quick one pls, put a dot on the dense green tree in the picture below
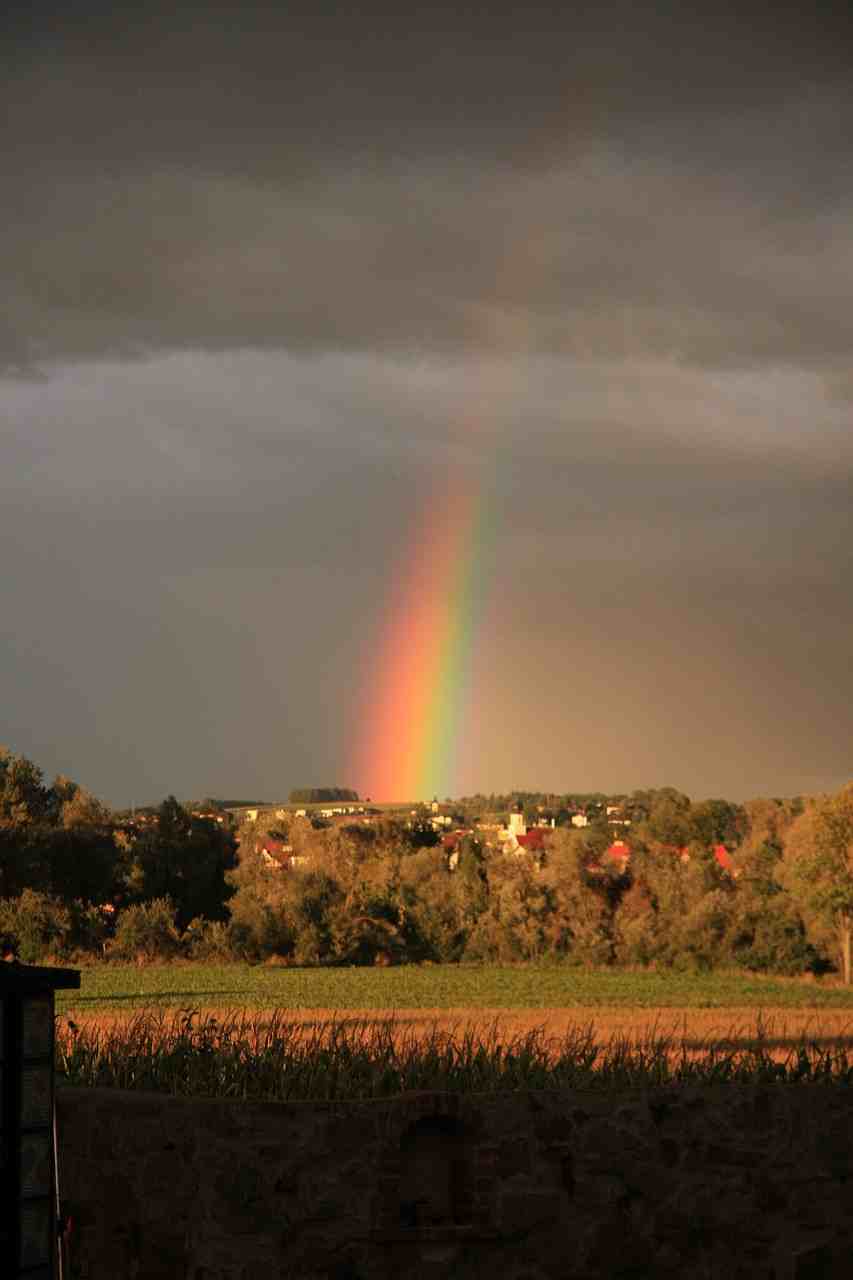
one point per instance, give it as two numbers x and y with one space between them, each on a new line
669 818
23 864
718 822
766 933
310 912
441 907
24 799
818 867
421 834
81 862
184 859
578 927
47 929
323 795
512 926
77 862
55 840
257 923
676 910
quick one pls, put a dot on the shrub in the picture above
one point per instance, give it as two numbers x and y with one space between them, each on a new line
91 926
209 941
258 926
39 924
436 904
700 937
513 925
769 936
309 945
146 932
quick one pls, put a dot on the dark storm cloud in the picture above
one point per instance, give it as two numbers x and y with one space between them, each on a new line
308 78
589 180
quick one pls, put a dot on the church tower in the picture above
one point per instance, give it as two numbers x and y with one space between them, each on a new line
517 825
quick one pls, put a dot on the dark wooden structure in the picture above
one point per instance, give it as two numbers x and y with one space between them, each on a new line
28 1231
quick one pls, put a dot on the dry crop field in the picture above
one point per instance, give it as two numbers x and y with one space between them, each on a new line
690 1012
693 1030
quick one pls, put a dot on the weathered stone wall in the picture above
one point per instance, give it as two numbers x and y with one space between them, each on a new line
714 1182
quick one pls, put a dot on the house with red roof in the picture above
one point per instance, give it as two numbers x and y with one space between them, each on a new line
619 853
275 853
450 844
724 860
533 840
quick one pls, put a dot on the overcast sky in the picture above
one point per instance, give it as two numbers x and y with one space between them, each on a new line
272 274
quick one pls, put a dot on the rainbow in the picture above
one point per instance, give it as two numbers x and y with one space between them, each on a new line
418 689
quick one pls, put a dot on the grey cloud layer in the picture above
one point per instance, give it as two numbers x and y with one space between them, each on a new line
598 186
601 260
248 461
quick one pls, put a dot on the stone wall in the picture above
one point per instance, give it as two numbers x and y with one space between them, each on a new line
753 1183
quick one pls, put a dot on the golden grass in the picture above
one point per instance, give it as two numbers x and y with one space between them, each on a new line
692 1030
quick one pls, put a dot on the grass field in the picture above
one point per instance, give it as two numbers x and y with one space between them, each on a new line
434 987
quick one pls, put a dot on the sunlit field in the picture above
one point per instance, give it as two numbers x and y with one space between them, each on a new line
277 1032
274 1057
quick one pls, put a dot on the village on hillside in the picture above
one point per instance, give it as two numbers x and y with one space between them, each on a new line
512 833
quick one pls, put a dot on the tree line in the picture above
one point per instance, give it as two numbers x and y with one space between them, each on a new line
323 795
77 885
